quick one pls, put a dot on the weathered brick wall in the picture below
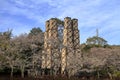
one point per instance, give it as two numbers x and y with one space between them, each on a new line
67 43
50 46
53 58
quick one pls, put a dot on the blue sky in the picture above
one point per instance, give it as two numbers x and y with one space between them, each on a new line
23 15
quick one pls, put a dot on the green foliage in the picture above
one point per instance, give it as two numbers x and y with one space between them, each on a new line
97 41
6 34
107 71
59 22
86 48
116 74
94 42
4 39
35 31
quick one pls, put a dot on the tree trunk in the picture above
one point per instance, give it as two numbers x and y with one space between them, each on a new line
110 76
36 73
11 73
98 75
22 71
22 74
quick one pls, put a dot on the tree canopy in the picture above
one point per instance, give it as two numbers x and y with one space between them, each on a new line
95 40
35 31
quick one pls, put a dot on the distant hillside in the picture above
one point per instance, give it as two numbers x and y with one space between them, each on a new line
105 60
